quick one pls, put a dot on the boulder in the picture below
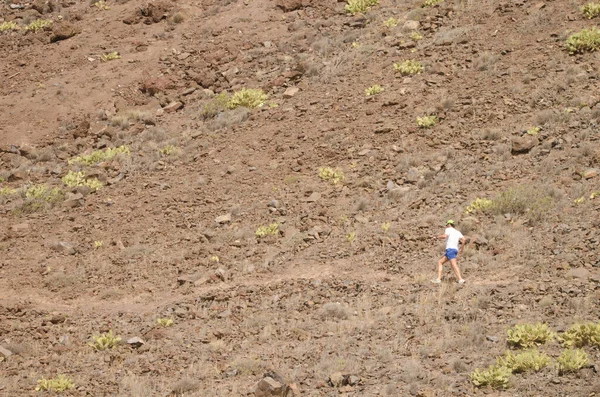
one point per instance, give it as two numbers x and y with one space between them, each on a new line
523 144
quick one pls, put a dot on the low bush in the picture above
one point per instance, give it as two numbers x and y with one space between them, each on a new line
105 341
56 385
587 40
409 67
496 377
38 24
572 360
479 205
534 201
99 156
529 335
111 56
374 90
247 97
8 25
270 230
40 197
431 3
74 179
329 174
427 121
530 360
215 106
164 322
580 335
591 10
358 6
391 22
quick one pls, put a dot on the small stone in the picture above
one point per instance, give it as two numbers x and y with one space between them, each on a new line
268 386
384 129
556 381
173 107
411 25
493 339
223 219
290 92
73 200
20 227
315 196
135 342
590 173
336 379
63 30
523 144
63 247
353 380
4 352
579 272
273 204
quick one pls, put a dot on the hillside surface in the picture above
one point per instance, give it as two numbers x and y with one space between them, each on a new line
335 297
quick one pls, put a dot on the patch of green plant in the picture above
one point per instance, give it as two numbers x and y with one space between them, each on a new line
100 155
374 90
591 10
270 230
532 201
40 197
101 5
529 360
8 25
587 40
572 360
217 105
431 3
409 67
360 6
110 56
105 341
385 227
38 24
580 335
416 36
57 385
164 322
350 237
168 150
391 22
329 174
427 121
247 97
7 191
479 205
529 335
74 179
533 130
496 377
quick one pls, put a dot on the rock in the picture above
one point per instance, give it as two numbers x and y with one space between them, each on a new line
579 272
223 219
398 192
590 173
20 227
17 176
384 129
523 144
413 175
63 30
290 92
315 196
4 352
291 5
353 380
337 379
493 339
173 107
73 200
411 25
135 342
268 386
63 247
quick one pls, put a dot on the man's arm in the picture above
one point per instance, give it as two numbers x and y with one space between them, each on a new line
463 243
442 236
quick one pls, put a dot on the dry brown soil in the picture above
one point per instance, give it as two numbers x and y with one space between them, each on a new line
335 291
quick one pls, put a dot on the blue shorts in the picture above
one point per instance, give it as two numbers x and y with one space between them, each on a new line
451 253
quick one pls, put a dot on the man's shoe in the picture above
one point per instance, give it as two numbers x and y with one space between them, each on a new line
436 281
461 281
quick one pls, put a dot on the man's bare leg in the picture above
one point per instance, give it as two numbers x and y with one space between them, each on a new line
441 266
454 264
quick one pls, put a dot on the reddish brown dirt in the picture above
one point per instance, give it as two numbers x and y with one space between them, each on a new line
332 291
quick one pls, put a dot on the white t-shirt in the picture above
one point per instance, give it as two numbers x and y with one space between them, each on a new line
454 237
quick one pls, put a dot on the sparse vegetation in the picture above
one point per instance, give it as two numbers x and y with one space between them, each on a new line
530 360
496 377
532 201
360 6
56 385
125 118
587 40
385 227
580 335
8 25
427 121
479 205
374 90
329 174
431 3
99 156
74 179
591 10
164 322
416 36
105 341
533 130
168 150
529 335
350 237
98 244
101 5
110 56
7 191
217 105
247 97
391 22
38 197
409 67
38 24
269 230
572 360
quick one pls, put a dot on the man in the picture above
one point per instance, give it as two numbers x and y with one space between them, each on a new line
454 238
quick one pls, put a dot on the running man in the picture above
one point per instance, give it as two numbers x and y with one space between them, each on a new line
454 238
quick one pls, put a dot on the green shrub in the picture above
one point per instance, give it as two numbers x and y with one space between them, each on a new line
529 335
580 335
391 22
530 200
217 105
8 25
247 97
111 56
329 174
591 10
7 191
587 40
57 385
496 377
164 322
431 3
530 360
374 90
74 179
100 155
427 121
357 6
40 197
168 150
572 360
270 230
38 24
479 205
533 130
416 36
105 341
409 67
